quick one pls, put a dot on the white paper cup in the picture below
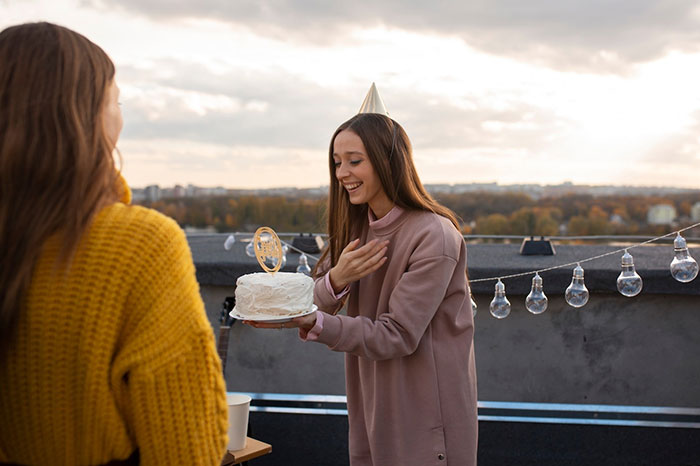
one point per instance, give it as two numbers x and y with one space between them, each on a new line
238 407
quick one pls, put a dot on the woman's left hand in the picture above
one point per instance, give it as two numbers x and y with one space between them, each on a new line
305 322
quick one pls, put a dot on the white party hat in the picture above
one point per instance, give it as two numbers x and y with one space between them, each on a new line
373 102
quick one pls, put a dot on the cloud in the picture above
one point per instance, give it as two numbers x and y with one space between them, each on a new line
596 35
680 150
194 103
185 122
187 101
441 123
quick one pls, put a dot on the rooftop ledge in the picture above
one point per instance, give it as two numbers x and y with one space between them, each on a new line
219 267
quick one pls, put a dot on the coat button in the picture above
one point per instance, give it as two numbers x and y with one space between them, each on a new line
441 456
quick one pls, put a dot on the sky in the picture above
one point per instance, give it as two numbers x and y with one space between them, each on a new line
247 93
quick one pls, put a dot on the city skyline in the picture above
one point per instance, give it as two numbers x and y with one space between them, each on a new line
247 95
534 190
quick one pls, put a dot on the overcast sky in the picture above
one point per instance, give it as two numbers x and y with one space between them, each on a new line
246 93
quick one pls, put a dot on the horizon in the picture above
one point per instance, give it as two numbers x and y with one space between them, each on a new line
224 93
325 186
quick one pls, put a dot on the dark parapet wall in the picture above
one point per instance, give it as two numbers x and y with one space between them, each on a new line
615 350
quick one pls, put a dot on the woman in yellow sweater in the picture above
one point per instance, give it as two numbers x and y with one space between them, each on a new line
106 354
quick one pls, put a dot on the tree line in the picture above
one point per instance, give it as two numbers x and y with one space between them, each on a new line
480 213
245 213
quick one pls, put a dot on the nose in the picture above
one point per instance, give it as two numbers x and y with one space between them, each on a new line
341 171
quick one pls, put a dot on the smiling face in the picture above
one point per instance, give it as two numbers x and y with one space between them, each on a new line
356 174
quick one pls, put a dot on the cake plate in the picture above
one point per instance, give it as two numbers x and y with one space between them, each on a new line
272 319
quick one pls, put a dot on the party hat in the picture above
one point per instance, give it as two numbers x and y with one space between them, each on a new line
373 102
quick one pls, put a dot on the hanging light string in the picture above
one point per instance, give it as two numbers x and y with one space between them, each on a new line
617 251
231 239
547 269
300 251
683 268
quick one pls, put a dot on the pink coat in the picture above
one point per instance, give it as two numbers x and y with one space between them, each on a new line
408 339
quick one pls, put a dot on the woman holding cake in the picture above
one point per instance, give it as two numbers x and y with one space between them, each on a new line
106 353
399 259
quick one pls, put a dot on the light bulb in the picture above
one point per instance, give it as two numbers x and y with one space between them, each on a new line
303 266
629 283
500 306
577 293
228 244
250 249
272 261
473 305
536 301
683 267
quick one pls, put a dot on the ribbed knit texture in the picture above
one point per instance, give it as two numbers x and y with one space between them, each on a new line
115 355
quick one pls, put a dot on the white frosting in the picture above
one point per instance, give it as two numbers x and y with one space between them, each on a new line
279 294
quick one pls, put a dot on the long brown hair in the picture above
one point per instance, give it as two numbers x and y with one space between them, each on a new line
390 152
56 164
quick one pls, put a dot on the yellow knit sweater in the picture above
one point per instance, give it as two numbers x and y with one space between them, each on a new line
115 355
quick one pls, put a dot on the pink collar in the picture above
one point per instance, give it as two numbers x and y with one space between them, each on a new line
388 219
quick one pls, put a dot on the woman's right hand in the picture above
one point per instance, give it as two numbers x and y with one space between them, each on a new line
355 263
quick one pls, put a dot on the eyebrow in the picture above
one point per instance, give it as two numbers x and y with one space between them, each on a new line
335 154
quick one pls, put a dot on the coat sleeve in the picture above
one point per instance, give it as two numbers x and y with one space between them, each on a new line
326 301
166 373
413 303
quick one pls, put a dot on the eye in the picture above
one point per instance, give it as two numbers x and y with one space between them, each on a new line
355 162
336 164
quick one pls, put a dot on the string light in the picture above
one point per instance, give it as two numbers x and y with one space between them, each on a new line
581 261
303 266
683 267
500 306
228 244
536 301
286 247
250 249
576 294
629 283
272 261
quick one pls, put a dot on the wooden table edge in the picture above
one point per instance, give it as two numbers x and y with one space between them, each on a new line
252 449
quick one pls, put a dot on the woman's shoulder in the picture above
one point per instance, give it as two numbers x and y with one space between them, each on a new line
432 222
133 224
435 233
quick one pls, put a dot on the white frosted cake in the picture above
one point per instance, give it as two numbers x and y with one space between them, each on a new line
279 294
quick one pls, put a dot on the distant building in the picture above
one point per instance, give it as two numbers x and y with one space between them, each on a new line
218 191
616 219
191 190
179 191
661 214
152 193
137 195
695 212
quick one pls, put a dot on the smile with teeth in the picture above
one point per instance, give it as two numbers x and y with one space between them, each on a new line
352 186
